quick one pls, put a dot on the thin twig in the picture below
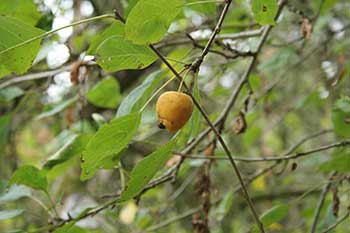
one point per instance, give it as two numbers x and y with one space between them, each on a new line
186 40
272 158
174 219
8 81
342 219
325 190
56 30
196 64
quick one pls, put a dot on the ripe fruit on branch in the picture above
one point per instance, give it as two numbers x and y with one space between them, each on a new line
174 109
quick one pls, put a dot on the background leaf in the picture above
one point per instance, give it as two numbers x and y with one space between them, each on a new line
25 10
73 148
105 145
139 95
149 20
14 193
7 214
30 176
10 93
145 170
105 94
265 11
275 214
341 117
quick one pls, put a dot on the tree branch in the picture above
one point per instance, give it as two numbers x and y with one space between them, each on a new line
320 203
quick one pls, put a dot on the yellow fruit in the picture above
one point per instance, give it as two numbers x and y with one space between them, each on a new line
174 109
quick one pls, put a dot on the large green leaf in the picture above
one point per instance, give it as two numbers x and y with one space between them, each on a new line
7 214
149 20
145 170
25 10
341 117
105 94
138 97
30 176
116 28
13 32
274 214
113 52
105 145
73 148
265 11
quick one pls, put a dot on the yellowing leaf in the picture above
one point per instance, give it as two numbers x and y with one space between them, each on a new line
128 213
259 184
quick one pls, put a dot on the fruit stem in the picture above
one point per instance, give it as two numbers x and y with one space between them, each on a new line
183 80
159 89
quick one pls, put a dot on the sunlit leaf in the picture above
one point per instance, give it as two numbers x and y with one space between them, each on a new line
149 20
25 10
265 11
14 32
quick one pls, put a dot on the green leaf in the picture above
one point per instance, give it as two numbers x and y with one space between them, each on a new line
7 214
30 176
224 206
10 93
5 121
202 6
341 117
145 170
275 214
131 4
14 193
114 52
105 94
105 145
57 108
339 162
138 97
196 116
13 32
116 28
72 149
343 104
265 11
25 10
69 228
149 20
